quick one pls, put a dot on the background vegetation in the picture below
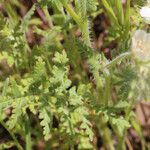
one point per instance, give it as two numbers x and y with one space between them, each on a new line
68 78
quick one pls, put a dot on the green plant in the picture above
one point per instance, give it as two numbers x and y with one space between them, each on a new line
47 90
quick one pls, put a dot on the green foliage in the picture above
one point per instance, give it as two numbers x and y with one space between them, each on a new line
120 22
55 87
46 120
26 19
5 56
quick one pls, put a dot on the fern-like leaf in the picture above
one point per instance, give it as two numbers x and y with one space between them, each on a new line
27 18
45 116
16 113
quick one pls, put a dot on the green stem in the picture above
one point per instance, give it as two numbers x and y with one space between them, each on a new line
84 26
99 85
28 134
121 141
85 32
137 127
71 12
49 67
117 59
106 135
45 9
107 96
19 147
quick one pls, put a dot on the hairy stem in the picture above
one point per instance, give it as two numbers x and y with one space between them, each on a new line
83 25
118 59
86 33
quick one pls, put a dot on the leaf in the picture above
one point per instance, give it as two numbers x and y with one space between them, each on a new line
124 80
26 19
74 99
59 81
9 58
60 58
88 130
5 86
127 15
91 5
82 8
5 102
120 123
16 113
46 120
7 145
120 11
122 105
84 50
110 12
52 3
39 70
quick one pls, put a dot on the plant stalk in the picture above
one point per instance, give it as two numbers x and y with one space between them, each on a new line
106 135
19 147
28 134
